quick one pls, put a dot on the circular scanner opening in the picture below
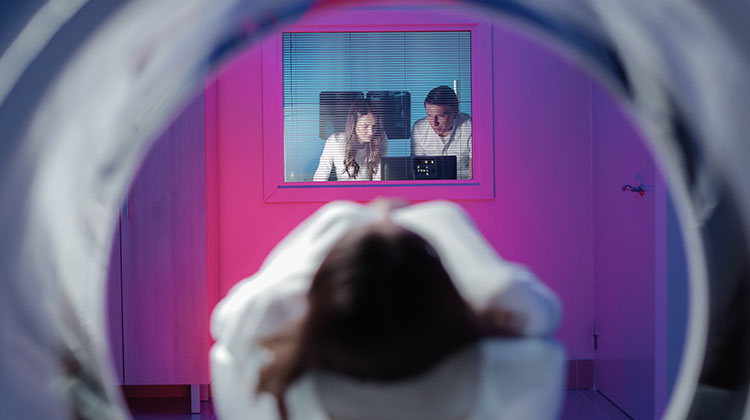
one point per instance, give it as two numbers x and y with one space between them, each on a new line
51 176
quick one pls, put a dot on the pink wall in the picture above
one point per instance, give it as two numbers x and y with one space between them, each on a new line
541 215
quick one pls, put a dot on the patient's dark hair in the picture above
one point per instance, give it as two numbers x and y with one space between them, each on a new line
381 308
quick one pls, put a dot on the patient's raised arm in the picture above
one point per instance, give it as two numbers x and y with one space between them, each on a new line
484 278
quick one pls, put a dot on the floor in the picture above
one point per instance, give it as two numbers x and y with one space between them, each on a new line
588 404
168 409
579 405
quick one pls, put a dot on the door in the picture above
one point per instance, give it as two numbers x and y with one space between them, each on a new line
164 300
624 258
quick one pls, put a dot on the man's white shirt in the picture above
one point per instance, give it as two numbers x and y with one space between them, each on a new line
457 142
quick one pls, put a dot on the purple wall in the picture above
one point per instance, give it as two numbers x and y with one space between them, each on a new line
541 215
625 263
640 287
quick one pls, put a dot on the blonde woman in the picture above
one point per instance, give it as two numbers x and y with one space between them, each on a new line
355 154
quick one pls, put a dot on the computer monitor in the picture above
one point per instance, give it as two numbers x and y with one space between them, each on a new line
418 168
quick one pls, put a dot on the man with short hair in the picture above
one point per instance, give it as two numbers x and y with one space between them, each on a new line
445 131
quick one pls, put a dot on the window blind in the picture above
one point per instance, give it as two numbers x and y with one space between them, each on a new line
333 68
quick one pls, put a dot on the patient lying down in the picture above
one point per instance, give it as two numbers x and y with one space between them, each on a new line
384 311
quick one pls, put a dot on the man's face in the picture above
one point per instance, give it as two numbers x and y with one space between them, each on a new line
441 120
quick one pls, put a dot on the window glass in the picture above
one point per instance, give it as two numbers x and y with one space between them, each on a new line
354 105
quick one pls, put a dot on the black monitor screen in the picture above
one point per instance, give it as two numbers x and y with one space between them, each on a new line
418 167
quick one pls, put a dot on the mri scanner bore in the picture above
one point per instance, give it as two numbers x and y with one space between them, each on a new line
597 146
58 214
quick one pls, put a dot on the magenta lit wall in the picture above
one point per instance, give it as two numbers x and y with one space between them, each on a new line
541 215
